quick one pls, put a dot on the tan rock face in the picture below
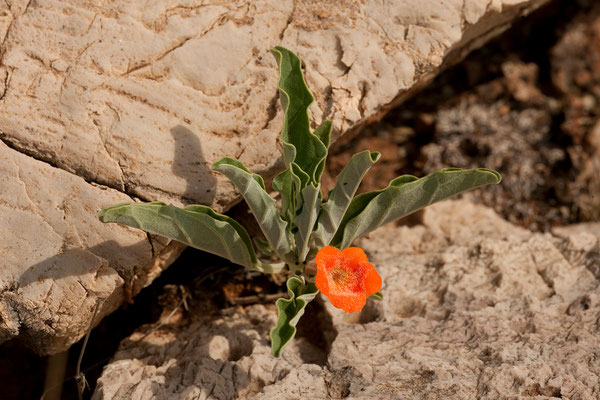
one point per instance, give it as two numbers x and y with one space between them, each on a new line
473 308
143 98
58 260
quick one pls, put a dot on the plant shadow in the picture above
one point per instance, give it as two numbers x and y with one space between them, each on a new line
79 261
190 164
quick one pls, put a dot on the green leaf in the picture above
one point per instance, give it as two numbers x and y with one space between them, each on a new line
264 247
197 226
286 183
300 146
261 204
341 195
323 132
305 221
289 312
377 296
405 195
289 184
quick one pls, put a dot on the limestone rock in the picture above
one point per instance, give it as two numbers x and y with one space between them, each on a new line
144 97
473 307
58 260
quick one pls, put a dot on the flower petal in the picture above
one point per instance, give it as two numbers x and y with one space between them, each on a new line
328 257
349 302
354 255
322 282
373 281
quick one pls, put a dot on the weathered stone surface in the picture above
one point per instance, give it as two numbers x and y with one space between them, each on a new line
142 98
473 307
56 260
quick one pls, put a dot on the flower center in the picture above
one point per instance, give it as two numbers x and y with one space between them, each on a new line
340 276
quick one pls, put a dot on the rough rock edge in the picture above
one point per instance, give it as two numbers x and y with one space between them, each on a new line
86 268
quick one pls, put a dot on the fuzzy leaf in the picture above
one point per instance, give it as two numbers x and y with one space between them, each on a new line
405 195
341 196
289 184
289 312
300 146
323 132
262 205
263 246
376 296
305 221
286 183
197 226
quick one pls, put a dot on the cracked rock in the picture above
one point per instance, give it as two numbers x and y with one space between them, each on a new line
473 307
58 260
142 99
145 99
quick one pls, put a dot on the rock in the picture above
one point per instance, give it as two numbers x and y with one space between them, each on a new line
145 98
142 99
57 259
473 307
215 361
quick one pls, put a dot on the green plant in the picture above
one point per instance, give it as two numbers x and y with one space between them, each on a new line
305 222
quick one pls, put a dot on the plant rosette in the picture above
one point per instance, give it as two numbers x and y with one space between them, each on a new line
306 228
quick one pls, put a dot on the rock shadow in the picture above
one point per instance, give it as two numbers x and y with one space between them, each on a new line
190 164
78 261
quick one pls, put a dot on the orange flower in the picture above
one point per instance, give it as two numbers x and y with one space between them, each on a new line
346 277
